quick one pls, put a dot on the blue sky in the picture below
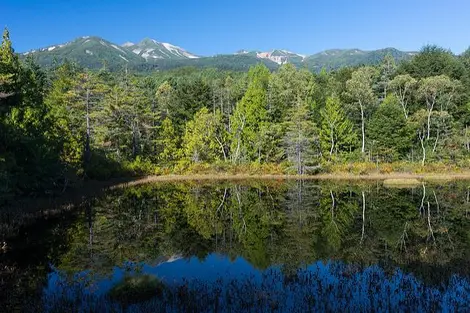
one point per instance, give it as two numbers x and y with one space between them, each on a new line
208 27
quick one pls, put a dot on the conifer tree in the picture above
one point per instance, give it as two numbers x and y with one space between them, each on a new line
388 130
201 141
167 143
301 138
9 70
249 116
336 133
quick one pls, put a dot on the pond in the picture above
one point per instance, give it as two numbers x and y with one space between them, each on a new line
248 246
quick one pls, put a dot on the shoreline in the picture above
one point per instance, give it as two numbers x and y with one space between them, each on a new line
434 177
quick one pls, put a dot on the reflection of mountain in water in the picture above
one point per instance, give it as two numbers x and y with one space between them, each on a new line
268 224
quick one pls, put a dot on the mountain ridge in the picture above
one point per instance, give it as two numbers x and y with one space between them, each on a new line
150 54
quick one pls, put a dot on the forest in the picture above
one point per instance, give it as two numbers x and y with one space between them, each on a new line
67 124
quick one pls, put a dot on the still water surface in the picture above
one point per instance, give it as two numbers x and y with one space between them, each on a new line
253 246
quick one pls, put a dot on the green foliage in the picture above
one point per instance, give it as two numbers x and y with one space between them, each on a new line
301 138
285 88
202 141
72 123
29 153
360 89
388 132
249 117
9 71
403 87
167 143
433 61
337 134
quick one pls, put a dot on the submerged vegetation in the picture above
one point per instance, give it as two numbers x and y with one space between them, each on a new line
68 123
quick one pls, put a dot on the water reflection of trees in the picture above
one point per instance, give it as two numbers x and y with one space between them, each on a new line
292 224
424 230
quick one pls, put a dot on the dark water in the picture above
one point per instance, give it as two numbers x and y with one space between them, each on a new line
255 246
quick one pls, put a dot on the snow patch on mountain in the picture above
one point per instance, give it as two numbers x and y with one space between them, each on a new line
152 49
178 50
123 58
117 48
148 54
279 59
171 48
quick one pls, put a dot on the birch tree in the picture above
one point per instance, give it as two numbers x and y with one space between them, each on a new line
434 89
360 90
403 87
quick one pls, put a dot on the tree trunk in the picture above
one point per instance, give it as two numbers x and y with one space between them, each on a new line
363 129
299 153
134 140
221 148
87 153
436 142
332 141
467 142
404 109
429 125
363 215
430 106
421 139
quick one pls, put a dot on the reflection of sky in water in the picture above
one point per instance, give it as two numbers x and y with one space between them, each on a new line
175 271
332 286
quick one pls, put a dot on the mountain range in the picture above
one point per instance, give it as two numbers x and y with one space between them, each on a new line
149 54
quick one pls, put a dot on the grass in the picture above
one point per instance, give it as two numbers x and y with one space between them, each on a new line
402 182
184 171
396 178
